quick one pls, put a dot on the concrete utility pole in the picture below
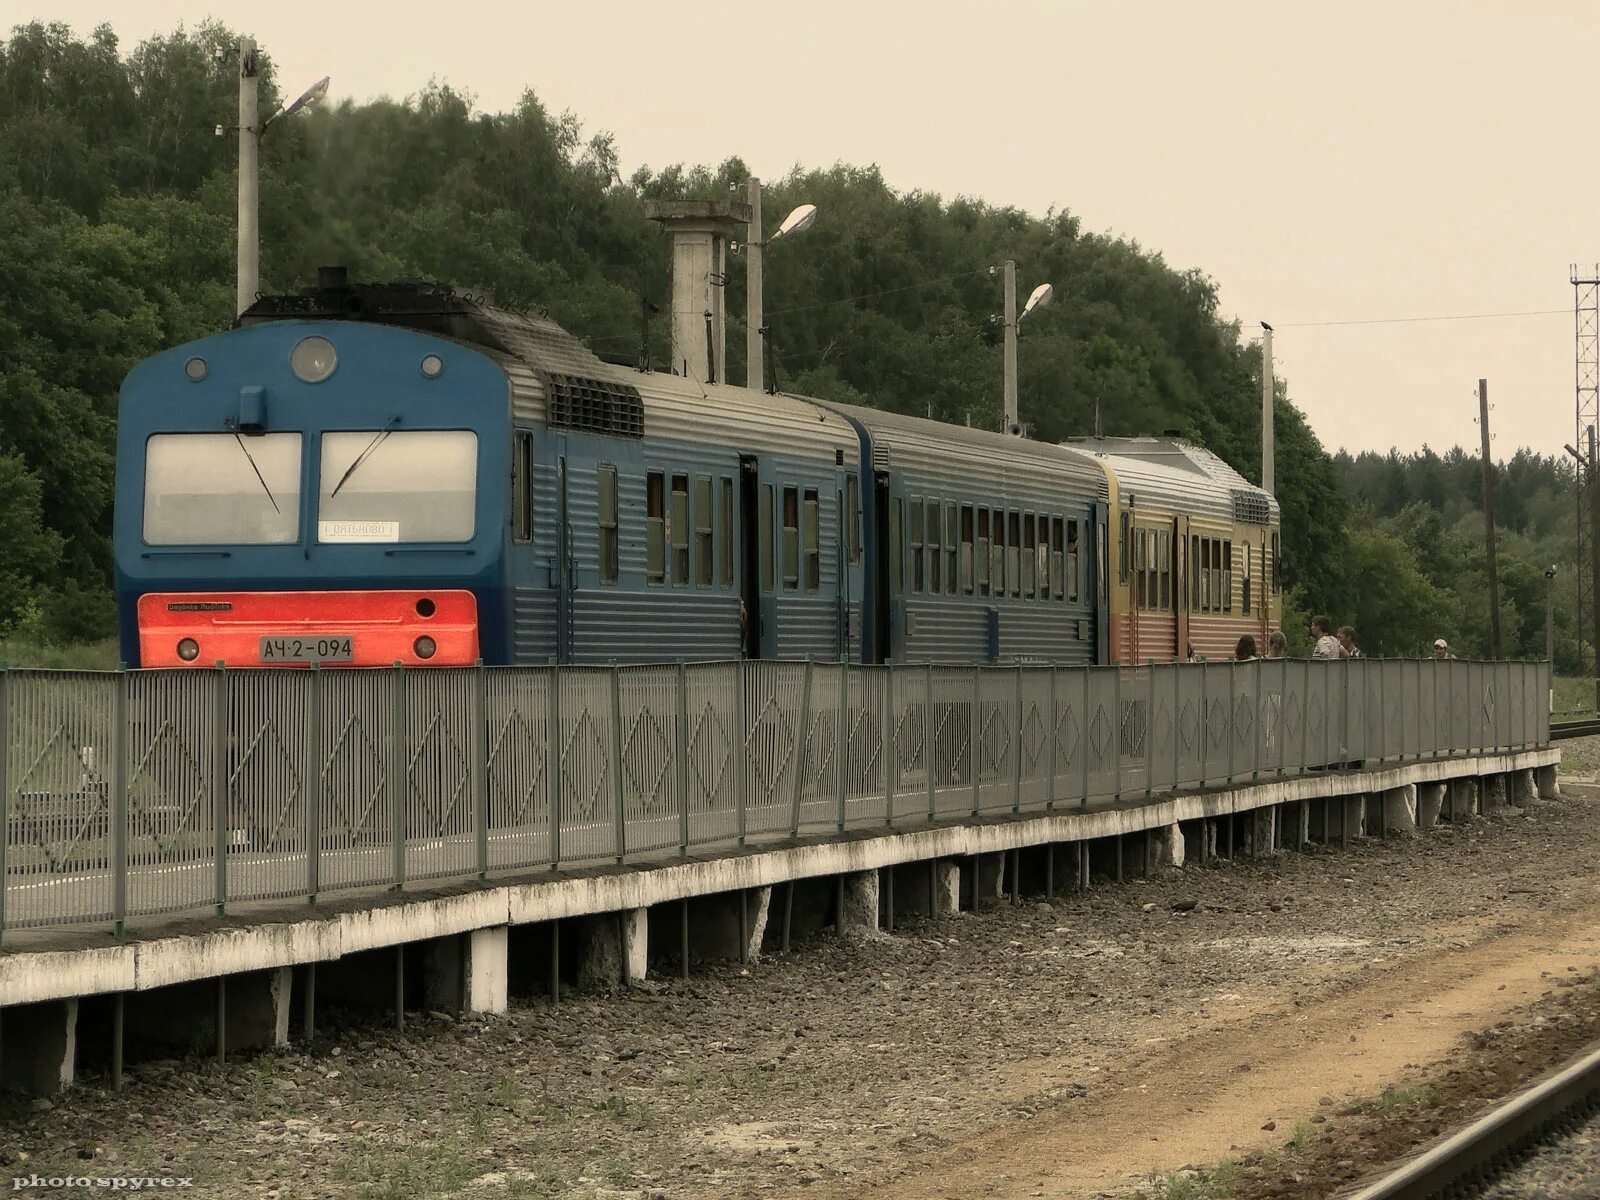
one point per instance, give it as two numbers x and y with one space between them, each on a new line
701 231
1268 395
754 351
1013 426
1488 519
249 264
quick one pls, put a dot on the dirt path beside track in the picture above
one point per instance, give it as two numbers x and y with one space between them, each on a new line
1056 1049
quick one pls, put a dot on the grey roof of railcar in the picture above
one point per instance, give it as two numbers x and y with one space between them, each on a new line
1175 472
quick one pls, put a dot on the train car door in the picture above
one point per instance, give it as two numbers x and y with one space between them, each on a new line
1180 584
880 649
753 543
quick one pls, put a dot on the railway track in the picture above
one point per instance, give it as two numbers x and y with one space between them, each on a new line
1459 1164
1572 729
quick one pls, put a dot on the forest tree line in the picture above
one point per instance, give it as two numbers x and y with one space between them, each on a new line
118 202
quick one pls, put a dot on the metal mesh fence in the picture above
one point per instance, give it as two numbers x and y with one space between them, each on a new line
146 792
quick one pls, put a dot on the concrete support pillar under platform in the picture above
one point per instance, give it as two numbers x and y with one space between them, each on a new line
1294 825
862 890
1262 826
1400 810
991 877
716 929
947 887
1549 787
1493 791
468 972
1524 787
1461 804
616 949
1169 851
39 1047
1431 800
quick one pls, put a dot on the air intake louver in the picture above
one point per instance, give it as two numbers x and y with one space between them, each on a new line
880 458
594 405
1251 508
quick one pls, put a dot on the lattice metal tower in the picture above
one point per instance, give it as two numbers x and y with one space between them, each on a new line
1586 324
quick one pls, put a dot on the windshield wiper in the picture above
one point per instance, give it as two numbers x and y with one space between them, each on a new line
259 477
362 457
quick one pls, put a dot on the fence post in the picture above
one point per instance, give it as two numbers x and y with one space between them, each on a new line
119 803
1083 734
682 735
1016 747
1177 737
975 740
220 800
479 765
801 751
891 749
842 736
552 759
1116 732
1233 708
1149 728
1205 723
1344 702
1383 724
741 777
311 786
929 733
397 774
1050 794
618 800
1283 697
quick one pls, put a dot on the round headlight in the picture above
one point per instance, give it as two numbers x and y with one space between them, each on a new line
188 649
432 365
313 360
424 647
195 369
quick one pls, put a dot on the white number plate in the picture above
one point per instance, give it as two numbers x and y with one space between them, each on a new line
331 648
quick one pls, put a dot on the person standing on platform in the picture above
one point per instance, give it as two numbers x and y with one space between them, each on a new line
1347 642
1327 646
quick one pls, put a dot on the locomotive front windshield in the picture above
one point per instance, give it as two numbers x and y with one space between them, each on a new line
211 488
388 485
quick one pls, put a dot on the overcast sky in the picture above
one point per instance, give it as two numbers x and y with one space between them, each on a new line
1327 163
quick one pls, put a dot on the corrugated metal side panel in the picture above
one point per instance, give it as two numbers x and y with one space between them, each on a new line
1122 637
1216 635
1046 633
658 625
946 631
1158 636
533 624
807 625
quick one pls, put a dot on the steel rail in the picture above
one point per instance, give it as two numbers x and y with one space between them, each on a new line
1573 729
1504 1128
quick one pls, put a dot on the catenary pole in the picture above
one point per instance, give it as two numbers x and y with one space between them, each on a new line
249 259
1013 426
1488 519
1268 386
755 247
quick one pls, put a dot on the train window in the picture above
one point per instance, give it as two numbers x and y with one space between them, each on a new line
916 546
812 518
1227 576
1044 556
998 552
1122 548
655 537
1195 574
221 489
1164 566
965 565
934 558
725 532
417 485
1277 575
1030 558
1013 552
1138 570
1245 598
1072 561
950 547
606 486
522 487
704 568
678 529
897 549
791 539
764 536
1216 574
852 517
981 554
1205 574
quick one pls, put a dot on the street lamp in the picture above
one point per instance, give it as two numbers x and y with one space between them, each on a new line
1037 299
799 219
248 279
